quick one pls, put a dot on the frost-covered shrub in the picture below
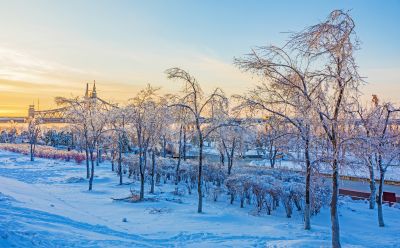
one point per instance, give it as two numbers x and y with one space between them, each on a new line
245 188
265 188
45 152
75 180
188 174
165 169
232 185
274 191
213 177
190 180
215 192
270 187
213 173
132 163
320 194
262 187
292 193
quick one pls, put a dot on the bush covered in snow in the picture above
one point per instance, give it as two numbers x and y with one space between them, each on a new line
75 180
166 171
45 152
268 188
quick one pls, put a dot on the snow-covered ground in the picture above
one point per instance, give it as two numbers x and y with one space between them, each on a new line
44 204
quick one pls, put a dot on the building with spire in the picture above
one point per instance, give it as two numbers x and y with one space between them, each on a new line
92 93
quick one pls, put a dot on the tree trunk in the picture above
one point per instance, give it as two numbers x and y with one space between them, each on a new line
112 159
142 169
231 156
32 156
91 171
230 164
153 166
164 146
199 180
120 163
179 157
72 140
272 156
97 156
87 162
141 186
372 186
334 203
307 214
379 201
184 143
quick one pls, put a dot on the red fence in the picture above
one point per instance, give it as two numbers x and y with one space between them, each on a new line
388 197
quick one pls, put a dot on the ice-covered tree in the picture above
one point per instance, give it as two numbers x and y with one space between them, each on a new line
145 122
77 110
201 108
231 139
118 119
287 92
33 135
91 119
377 144
159 126
331 45
275 138
365 122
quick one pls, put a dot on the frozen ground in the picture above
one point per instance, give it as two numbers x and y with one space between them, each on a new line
40 206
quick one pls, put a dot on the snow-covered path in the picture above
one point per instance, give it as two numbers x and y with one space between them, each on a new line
41 207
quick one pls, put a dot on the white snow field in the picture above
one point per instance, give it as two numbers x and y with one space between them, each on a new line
45 204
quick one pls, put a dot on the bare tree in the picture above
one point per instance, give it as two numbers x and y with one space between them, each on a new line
388 153
158 126
201 108
118 117
230 139
77 110
97 122
382 142
33 134
181 118
89 116
332 44
316 73
288 92
366 122
275 137
142 111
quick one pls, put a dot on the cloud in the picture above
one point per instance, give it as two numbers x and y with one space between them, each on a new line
21 66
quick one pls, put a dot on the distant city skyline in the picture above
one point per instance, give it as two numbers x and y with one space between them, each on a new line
53 48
